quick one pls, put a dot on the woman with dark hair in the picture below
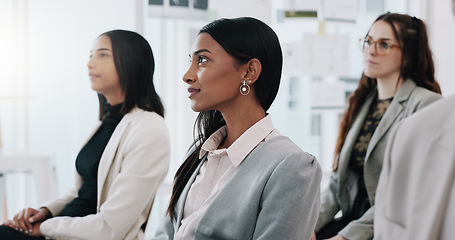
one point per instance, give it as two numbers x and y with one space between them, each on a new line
123 163
398 80
242 179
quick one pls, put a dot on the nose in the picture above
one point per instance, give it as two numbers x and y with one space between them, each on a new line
372 49
90 63
190 76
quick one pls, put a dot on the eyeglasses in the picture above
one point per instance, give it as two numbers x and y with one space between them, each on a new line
381 46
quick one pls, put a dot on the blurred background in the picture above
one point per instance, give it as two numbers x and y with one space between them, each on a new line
48 110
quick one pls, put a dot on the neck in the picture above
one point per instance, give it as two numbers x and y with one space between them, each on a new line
239 119
388 87
115 99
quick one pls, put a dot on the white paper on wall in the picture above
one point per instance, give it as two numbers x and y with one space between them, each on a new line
325 55
301 5
292 57
328 94
178 9
260 9
340 10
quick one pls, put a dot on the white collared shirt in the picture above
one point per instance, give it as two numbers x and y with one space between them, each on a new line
221 164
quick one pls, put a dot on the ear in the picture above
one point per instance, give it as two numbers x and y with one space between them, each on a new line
254 69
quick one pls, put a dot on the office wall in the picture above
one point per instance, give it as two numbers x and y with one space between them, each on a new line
49 108
64 109
441 27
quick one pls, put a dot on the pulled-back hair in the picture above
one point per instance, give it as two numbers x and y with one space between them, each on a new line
243 38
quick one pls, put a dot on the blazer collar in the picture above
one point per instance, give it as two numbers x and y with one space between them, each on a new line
404 92
253 159
111 149
353 133
392 113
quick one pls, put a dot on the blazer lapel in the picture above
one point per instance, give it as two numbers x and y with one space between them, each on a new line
353 134
391 115
345 178
109 152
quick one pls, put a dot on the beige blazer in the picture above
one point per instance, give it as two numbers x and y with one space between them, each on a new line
133 165
343 184
415 190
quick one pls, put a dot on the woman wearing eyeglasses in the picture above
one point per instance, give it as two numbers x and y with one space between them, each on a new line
398 80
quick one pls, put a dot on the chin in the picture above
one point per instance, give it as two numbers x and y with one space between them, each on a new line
370 74
195 108
198 105
97 90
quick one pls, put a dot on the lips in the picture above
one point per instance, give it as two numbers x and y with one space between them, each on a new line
193 91
371 62
92 76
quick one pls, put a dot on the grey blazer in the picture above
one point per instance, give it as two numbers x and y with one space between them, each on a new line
342 189
415 197
274 194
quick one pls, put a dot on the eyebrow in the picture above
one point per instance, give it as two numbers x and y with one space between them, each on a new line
102 49
388 39
201 50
